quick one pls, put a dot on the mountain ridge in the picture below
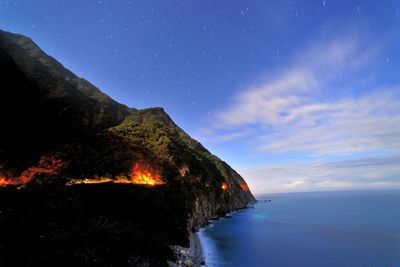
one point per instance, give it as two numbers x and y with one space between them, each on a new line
61 130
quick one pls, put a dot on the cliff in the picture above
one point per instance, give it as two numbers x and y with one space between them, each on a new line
119 168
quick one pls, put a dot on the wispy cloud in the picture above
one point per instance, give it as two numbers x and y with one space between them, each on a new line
328 103
310 107
367 173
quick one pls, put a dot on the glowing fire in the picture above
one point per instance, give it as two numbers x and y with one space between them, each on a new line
91 181
141 174
5 181
47 165
244 186
224 186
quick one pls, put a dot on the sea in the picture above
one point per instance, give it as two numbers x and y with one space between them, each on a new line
338 229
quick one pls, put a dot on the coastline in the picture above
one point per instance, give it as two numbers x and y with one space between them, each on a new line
353 228
196 254
191 256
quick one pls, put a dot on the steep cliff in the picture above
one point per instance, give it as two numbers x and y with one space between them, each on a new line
62 134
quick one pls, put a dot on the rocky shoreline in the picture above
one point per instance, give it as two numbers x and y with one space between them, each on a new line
191 256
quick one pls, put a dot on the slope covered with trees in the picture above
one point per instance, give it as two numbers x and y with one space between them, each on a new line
62 136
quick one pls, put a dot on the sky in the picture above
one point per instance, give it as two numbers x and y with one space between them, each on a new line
295 95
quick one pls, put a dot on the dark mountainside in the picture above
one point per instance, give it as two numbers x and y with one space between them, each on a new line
57 131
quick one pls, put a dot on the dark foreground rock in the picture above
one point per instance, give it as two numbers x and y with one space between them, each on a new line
84 225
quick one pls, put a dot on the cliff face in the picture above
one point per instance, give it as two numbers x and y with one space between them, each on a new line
58 130
212 187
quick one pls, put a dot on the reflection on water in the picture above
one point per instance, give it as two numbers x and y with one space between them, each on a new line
309 229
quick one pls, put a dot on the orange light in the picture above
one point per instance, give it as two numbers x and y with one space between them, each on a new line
4 182
46 165
141 174
91 181
244 186
224 186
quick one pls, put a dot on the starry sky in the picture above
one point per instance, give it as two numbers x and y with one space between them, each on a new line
295 95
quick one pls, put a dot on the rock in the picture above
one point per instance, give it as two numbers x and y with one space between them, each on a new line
188 263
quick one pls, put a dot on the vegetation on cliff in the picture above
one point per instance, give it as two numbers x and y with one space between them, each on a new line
62 137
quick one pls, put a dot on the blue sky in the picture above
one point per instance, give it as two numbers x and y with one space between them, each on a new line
295 95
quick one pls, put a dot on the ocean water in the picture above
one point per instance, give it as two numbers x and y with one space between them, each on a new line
358 228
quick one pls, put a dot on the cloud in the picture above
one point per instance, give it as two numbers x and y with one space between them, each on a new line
366 173
367 123
309 107
225 137
327 104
